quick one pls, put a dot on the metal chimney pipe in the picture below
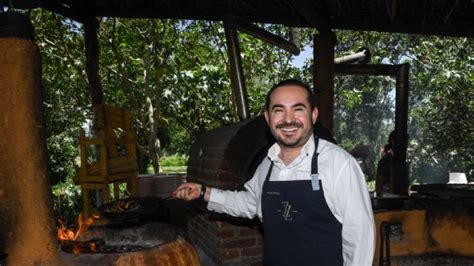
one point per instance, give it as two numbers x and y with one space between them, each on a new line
267 36
363 56
236 71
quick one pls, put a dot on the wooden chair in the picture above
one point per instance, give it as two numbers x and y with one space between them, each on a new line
114 156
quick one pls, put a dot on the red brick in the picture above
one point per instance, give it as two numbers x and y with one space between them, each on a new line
255 251
230 254
227 233
238 243
246 231
229 243
247 242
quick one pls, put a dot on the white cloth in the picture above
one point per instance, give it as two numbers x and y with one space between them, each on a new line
344 187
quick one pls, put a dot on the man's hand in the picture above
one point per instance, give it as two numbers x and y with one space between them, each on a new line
188 191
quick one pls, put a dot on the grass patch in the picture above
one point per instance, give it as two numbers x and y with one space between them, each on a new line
175 163
174 160
173 169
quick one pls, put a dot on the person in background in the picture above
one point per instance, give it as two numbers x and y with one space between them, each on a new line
385 165
310 194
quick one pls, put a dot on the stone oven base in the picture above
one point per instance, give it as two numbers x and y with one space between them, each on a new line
163 244
178 252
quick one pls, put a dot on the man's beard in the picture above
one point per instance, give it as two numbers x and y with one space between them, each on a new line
290 143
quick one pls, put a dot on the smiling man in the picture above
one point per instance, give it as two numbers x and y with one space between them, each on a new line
309 193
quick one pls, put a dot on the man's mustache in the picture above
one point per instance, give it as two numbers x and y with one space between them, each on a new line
290 124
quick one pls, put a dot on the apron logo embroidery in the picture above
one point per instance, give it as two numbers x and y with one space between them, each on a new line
287 211
273 193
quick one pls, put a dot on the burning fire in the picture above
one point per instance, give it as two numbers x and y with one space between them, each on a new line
66 235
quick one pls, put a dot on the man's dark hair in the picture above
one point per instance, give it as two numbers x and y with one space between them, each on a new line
291 82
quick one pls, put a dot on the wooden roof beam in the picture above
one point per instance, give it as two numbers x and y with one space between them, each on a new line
455 4
391 8
61 9
307 11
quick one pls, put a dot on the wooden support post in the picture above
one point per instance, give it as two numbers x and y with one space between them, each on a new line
91 43
401 182
324 77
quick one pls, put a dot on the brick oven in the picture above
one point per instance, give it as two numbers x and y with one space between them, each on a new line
226 158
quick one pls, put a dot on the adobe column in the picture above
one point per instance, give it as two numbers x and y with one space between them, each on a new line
26 223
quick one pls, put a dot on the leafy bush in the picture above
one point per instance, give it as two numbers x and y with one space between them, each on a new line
67 201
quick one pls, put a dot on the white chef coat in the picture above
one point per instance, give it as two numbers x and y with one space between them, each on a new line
344 187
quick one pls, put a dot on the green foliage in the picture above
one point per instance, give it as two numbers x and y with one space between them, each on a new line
174 160
64 89
364 105
440 104
187 82
67 201
371 185
62 153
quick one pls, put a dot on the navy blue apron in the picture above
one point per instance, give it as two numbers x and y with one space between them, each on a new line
299 228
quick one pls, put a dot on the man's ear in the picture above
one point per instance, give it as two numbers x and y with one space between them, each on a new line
267 117
314 115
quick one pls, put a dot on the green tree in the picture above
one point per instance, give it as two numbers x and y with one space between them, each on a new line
64 86
442 106
65 104
364 105
188 82
440 103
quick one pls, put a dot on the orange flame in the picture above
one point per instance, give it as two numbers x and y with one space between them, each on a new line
68 234
65 234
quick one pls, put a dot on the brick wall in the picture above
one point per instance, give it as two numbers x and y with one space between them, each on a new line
160 185
226 158
226 240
